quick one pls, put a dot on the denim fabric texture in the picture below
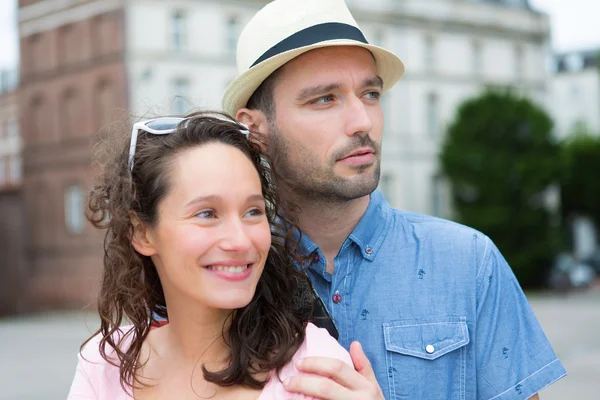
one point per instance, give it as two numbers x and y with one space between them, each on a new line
436 308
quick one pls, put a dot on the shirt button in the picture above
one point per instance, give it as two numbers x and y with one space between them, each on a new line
429 349
337 298
368 250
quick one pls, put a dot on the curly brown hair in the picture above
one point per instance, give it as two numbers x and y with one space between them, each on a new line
262 336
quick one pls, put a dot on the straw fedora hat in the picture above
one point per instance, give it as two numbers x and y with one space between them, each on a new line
285 29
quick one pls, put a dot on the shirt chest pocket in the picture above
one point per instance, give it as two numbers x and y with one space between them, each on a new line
426 358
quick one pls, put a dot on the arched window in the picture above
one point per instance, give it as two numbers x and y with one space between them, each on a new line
74 209
433 123
38 123
104 103
71 114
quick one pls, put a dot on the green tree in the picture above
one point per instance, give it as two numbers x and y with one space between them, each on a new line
500 158
580 183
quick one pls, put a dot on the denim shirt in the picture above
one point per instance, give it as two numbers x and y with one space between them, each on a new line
436 308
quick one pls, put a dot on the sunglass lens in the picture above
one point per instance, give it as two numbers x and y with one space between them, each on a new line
164 124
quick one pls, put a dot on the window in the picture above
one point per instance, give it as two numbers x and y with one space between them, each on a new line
519 62
15 172
233 33
181 92
429 56
178 31
104 34
36 53
71 114
3 180
574 62
387 114
12 129
438 196
105 103
378 37
385 185
74 209
72 44
432 115
39 120
477 58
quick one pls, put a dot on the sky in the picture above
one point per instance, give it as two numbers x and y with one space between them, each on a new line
574 26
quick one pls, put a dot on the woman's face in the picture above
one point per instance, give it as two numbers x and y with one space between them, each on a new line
212 237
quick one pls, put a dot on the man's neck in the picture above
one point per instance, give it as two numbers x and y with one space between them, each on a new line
328 224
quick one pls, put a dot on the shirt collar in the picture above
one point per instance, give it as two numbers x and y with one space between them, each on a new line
368 233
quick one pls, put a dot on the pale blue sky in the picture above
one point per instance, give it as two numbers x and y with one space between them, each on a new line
574 26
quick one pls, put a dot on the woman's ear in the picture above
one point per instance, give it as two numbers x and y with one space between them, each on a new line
257 124
142 239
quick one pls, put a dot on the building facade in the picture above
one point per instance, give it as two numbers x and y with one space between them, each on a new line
12 214
72 76
82 59
10 137
575 92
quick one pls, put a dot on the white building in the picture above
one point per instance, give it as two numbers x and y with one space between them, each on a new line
575 92
452 50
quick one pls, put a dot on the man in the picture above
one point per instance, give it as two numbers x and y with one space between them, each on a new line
434 304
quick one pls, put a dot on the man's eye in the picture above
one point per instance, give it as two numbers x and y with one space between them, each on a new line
373 95
323 99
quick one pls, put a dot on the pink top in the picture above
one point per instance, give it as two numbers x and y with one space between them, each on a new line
97 379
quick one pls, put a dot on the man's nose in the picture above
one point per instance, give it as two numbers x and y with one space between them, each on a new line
359 120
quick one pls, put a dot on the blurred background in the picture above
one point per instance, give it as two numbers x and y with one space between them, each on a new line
496 124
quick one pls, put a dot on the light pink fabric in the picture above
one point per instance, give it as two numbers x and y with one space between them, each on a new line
97 379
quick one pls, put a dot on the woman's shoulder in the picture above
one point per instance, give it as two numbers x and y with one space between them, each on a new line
92 353
96 377
319 343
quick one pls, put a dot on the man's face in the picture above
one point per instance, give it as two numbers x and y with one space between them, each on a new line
328 124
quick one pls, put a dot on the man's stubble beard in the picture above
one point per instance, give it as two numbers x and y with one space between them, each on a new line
300 173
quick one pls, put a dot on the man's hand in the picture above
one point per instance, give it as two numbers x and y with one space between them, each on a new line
337 380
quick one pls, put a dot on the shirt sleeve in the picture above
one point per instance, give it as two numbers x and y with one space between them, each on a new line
514 358
82 387
317 343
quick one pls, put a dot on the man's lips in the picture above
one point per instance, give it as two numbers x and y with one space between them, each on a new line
363 151
359 158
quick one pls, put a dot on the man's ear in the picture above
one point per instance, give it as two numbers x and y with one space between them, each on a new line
142 239
258 125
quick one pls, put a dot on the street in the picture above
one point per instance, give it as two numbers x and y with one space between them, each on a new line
38 353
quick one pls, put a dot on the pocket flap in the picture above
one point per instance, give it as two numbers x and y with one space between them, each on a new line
427 338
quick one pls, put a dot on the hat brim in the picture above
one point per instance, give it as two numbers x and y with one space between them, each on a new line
389 67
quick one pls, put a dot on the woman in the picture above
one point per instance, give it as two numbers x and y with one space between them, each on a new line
188 206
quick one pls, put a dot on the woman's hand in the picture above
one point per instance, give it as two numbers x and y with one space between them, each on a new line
336 380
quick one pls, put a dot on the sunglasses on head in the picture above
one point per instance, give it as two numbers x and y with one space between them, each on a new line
158 126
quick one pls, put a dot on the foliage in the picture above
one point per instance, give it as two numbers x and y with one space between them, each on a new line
501 159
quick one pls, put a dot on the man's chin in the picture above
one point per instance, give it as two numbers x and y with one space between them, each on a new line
357 187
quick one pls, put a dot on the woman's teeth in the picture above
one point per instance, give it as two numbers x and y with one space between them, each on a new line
232 268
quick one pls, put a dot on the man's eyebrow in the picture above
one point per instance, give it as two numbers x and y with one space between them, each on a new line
313 91
375 81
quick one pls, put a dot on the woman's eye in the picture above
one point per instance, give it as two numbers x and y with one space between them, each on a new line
205 214
255 212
